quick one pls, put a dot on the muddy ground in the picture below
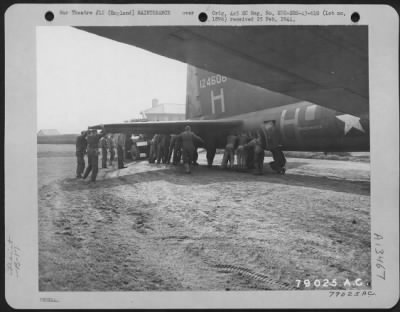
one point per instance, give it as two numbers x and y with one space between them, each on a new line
152 227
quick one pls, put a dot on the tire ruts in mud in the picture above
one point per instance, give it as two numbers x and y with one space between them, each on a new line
270 283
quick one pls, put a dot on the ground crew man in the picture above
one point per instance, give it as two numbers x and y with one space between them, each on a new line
166 148
120 150
241 151
177 150
250 151
256 145
134 149
229 154
81 145
272 144
93 153
103 146
171 148
187 138
174 149
162 150
111 146
153 148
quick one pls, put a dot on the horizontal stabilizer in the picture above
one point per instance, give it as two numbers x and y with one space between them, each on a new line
170 127
325 65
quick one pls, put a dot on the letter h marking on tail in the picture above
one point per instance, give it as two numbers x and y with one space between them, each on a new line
215 98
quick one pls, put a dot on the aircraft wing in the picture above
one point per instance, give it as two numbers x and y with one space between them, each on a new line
327 65
167 127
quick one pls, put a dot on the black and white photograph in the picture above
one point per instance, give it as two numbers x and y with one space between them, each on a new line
227 158
235 159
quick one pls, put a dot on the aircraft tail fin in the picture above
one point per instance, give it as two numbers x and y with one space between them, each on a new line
214 96
193 106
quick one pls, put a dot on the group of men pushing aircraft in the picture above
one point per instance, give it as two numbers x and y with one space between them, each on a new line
248 148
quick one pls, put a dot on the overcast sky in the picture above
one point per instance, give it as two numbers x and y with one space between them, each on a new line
84 79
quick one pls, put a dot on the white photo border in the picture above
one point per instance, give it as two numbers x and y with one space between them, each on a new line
21 198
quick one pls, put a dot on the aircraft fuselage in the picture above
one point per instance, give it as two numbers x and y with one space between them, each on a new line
300 125
305 126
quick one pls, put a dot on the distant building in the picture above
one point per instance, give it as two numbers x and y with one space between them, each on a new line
136 120
48 132
164 111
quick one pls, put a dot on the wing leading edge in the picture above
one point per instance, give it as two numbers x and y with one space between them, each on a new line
168 127
326 65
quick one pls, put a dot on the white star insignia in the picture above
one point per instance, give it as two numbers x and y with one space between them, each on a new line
350 122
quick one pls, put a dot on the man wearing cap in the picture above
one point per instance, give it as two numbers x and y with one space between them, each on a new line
187 138
81 145
93 139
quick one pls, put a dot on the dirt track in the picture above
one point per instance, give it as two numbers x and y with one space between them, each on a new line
152 227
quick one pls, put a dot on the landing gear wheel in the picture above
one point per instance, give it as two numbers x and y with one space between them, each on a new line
282 171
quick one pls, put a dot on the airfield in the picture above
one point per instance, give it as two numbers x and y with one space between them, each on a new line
153 227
